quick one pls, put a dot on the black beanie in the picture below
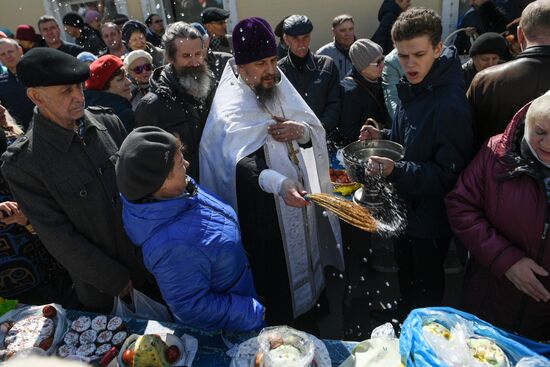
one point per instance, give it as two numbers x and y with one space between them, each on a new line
73 19
489 43
145 158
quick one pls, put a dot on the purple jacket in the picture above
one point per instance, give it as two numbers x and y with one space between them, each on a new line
499 211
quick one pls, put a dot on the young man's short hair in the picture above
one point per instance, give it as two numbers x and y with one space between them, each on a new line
416 22
341 19
46 18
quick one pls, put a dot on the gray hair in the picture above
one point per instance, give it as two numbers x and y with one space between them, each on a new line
9 41
178 30
538 110
45 19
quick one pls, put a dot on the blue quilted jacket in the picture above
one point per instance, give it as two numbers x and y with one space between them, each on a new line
192 245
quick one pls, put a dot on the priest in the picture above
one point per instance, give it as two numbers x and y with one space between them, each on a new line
262 150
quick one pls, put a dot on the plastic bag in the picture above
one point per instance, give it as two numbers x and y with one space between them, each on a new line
382 349
142 307
416 350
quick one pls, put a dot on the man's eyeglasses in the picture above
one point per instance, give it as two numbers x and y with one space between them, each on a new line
377 62
142 68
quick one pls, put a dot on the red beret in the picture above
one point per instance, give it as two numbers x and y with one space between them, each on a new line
25 32
101 71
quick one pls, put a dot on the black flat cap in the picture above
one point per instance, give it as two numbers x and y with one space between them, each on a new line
213 14
74 20
44 67
296 25
279 27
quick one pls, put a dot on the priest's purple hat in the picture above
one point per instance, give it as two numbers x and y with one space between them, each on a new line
253 40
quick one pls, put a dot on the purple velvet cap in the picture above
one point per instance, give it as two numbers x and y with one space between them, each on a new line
253 40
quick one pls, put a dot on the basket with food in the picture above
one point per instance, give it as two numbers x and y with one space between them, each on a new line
163 350
31 327
282 346
442 336
341 182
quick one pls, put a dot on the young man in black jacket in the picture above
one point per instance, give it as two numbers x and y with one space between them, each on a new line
433 123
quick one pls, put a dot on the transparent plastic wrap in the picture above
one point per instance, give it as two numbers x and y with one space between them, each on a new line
56 314
282 346
442 336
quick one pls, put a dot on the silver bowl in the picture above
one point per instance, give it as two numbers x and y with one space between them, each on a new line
357 154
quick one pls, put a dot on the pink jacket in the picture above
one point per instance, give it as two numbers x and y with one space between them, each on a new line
499 210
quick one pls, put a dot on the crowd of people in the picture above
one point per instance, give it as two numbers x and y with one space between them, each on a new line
177 160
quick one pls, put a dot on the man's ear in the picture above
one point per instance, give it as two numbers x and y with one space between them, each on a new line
35 95
521 38
438 49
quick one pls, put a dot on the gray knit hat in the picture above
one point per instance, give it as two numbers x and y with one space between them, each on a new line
146 157
363 51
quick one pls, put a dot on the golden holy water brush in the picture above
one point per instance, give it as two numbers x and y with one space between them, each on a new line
356 215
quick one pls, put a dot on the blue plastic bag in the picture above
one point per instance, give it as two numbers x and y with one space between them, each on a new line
416 352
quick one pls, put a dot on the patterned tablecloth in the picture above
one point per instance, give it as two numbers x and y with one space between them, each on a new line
213 347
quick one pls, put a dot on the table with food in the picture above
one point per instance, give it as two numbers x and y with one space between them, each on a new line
437 336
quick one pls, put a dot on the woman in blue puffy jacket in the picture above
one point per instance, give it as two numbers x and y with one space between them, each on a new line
190 240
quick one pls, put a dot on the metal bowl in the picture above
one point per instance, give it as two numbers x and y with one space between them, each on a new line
357 154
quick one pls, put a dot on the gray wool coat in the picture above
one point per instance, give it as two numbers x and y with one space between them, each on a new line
66 186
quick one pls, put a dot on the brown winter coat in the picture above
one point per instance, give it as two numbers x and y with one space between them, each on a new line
498 92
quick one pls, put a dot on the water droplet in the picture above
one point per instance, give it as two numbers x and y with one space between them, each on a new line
388 305
158 6
325 214
242 38
341 276
362 279
377 291
387 284
365 260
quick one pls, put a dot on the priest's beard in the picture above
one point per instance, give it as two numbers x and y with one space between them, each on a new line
195 80
267 95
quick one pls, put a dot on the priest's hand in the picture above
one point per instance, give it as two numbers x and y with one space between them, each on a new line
523 274
286 130
293 193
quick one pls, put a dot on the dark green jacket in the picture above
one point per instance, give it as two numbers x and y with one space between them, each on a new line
66 186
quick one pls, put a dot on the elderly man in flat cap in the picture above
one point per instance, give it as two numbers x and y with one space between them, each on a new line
215 22
258 140
62 175
315 77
